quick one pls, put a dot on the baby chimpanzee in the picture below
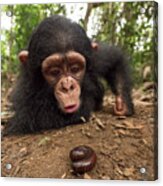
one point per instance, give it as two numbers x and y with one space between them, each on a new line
59 79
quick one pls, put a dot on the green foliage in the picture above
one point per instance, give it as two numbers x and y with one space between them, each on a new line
129 25
23 21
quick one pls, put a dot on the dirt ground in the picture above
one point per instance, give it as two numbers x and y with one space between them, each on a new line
123 146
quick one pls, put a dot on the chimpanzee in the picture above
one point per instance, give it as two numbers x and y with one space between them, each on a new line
59 80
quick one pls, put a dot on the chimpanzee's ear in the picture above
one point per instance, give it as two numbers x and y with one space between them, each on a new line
23 56
95 45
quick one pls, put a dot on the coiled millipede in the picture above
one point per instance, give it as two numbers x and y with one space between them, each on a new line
83 159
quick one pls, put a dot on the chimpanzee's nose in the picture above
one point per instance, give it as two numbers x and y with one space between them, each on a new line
67 85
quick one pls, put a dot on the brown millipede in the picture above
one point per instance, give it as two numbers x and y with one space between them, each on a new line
83 159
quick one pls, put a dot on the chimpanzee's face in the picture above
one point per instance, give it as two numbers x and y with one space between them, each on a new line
64 72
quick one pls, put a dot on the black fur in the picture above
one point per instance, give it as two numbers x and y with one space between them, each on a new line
112 64
33 100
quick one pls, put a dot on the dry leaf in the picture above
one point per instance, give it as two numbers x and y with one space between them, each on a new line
87 176
64 175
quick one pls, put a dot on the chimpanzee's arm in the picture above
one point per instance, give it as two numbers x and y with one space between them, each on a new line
112 64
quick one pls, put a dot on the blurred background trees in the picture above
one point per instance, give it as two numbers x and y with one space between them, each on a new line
130 25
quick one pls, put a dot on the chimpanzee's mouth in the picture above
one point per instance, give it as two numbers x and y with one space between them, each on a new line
71 108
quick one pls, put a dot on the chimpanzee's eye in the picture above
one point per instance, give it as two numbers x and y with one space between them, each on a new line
55 72
75 69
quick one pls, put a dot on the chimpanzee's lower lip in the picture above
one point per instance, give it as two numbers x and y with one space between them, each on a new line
71 108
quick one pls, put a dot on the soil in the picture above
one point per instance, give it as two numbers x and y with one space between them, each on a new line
123 146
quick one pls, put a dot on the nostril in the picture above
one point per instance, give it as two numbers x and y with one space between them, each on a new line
71 87
64 89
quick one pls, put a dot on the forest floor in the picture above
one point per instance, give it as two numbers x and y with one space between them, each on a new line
123 145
